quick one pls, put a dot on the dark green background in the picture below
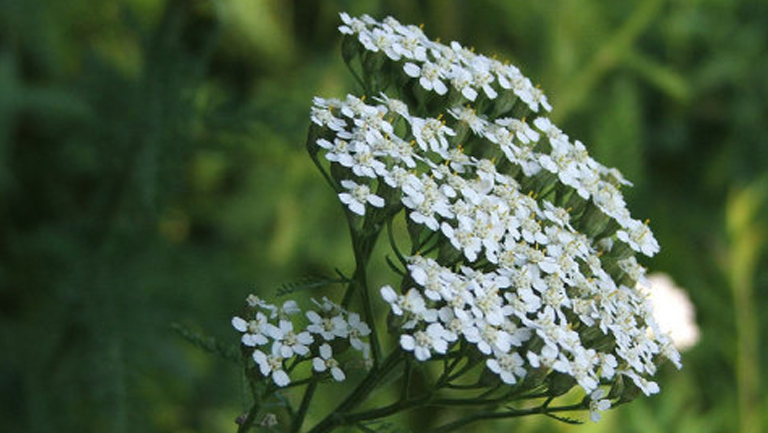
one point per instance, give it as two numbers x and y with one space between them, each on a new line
152 171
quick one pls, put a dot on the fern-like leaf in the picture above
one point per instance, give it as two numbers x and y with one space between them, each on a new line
564 419
310 283
228 352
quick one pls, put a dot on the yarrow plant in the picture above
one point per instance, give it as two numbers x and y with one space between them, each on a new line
513 251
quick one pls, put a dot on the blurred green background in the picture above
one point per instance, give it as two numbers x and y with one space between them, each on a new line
152 171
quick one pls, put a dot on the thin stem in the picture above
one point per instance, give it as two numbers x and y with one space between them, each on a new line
371 319
308 394
335 419
249 419
325 174
406 386
478 416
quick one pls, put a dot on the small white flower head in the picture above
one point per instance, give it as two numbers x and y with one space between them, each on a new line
254 331
325 362
598 403
329 327
357 196
272 365
357 331
423 342
287 342
430 76
509 367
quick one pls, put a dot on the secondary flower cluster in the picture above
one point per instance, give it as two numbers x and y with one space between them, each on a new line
535 266
273 334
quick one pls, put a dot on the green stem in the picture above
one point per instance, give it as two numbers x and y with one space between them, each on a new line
308 394
479 416
249 419
368 385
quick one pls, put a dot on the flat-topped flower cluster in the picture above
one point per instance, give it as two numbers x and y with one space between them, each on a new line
543 272
522 269
279 346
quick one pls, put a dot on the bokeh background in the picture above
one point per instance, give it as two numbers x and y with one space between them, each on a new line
153 172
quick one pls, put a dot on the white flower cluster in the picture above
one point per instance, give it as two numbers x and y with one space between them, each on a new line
543 276
438 66
273 334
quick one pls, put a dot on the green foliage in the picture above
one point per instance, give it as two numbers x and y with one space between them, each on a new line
152 170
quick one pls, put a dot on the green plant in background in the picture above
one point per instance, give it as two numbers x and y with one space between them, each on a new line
520 281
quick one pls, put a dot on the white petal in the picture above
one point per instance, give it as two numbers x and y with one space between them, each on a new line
239 324
357 207
325 351
439 87
314 317
259 356
389 295
422 353
286 326
375 200
493 365
412 70
304 338
318 364
337 374
281 378
407 342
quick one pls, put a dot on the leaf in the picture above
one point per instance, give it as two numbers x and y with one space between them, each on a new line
309 284
564 419
228 352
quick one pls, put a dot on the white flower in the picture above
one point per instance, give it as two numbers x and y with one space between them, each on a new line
287 342
351 25
358 196
546 359
461 79
487 338
430 76
394 105
254 331
508 366
423 343
357 331
379 40
289 308
324 117
469 116
598 403
639 237
328 327
431 135
272 365
412 303
325 362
